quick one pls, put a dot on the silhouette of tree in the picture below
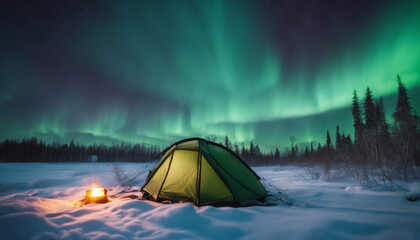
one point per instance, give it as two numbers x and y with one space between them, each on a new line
236 148
329 144
319 148
369 108
338 141
357 119
243 150
277 154
228 144
406 137
403 108
306 153
292 141
312 148
251 149
382 125
211 138
257 151
403 116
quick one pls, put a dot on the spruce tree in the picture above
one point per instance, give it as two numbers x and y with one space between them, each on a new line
338 141
357 119
292 141
378 115
329 145
306 151
243 150
319 148
402 114
405 131
312 148
348 139
257 151
383 126
236 148
277 154
251 149
369 107
227 142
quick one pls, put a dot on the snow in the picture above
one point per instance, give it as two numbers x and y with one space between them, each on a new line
37 202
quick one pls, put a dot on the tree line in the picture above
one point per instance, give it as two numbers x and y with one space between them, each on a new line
381 151
34 150
393 149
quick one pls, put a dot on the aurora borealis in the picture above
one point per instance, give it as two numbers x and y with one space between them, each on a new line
160 71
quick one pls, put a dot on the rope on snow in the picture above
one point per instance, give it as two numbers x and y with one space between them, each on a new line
273 189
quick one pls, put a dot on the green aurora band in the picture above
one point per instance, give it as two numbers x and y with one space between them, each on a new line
213 70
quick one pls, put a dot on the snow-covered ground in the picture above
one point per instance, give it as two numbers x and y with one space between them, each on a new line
37 202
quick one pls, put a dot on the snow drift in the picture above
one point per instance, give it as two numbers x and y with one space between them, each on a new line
37 203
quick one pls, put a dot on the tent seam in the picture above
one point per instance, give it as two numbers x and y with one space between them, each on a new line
154 172
236 179
219 174
166 175
198 182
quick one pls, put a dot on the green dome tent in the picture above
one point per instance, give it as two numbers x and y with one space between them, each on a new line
202 172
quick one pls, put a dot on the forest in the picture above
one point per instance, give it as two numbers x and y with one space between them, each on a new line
391 149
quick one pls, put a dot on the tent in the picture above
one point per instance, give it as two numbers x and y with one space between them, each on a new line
205 173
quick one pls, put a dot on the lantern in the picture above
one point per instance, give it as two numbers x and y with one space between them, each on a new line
96 195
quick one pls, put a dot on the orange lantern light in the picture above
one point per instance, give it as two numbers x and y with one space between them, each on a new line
96 195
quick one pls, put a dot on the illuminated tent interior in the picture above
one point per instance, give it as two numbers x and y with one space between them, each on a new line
204 173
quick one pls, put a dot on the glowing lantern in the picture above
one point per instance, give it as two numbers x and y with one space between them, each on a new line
96 195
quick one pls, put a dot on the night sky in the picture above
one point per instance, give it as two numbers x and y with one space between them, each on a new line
160 71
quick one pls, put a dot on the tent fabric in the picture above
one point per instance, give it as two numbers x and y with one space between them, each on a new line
202 172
